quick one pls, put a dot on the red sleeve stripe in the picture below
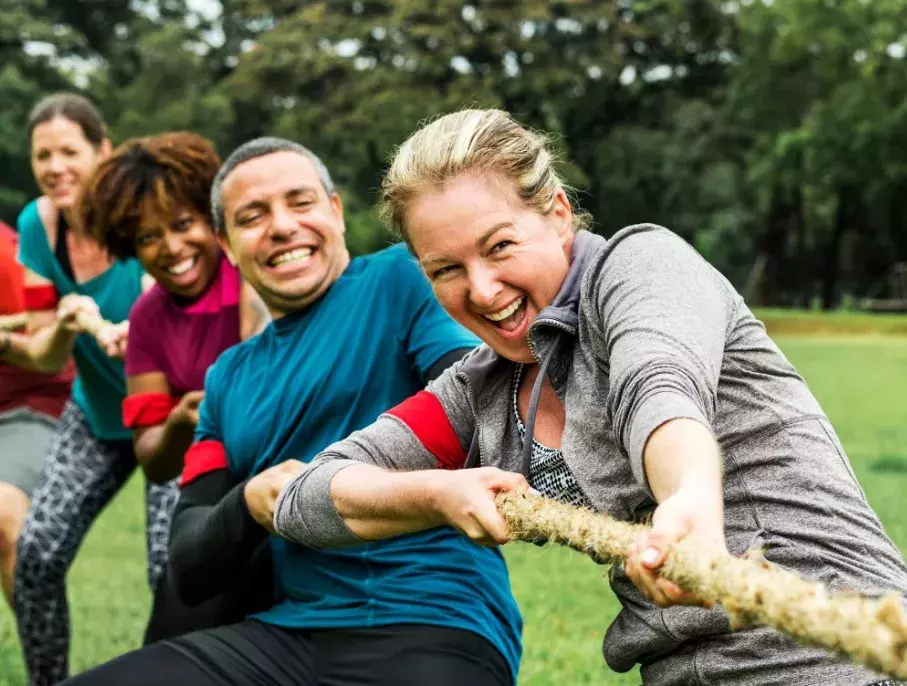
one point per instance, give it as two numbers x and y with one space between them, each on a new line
39 298
147 409
426 418
203 458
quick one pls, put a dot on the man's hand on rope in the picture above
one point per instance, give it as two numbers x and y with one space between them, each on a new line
261 491
680 517
465 499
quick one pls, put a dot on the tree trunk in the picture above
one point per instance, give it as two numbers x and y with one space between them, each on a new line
781 222
832 267
897 222
798 271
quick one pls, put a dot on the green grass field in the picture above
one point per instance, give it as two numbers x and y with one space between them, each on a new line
567 604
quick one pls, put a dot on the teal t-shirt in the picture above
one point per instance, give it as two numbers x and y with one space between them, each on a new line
100 384
312 378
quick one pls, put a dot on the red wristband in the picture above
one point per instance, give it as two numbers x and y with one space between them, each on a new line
147 409
202 458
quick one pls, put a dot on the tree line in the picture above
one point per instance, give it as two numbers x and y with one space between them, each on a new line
770 134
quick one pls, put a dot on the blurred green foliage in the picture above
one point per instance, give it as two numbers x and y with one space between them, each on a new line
772 135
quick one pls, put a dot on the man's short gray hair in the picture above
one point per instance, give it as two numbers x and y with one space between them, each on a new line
259 147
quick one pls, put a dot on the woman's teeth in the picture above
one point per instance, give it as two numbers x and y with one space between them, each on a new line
507 311
292 256
182 267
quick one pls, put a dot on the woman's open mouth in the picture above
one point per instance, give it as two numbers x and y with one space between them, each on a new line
184 272
511 320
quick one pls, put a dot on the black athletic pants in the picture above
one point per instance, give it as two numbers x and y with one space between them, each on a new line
255 653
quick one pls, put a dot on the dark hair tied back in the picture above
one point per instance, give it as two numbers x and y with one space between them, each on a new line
73 107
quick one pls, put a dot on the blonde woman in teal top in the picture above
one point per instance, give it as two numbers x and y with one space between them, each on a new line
100 385
91 456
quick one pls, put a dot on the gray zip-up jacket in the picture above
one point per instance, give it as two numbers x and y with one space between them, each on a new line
643 331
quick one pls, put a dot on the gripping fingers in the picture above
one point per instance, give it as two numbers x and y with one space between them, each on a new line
643 577
675 595
483 525
479 532
493 523
642 568
465 499
112 340
509 481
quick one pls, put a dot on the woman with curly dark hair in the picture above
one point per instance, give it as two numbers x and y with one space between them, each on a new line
150 200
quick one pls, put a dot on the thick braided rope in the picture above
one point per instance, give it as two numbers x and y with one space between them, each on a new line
754 593
92 324
13 322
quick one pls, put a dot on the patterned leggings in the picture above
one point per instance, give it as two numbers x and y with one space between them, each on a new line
80 476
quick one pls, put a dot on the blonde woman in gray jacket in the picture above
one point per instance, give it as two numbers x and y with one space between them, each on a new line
626 375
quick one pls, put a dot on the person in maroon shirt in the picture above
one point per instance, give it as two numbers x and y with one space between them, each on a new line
150 200
30 404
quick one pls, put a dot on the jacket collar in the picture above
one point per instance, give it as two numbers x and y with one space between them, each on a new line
563 312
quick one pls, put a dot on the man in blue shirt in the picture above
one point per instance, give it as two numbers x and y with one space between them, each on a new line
350 339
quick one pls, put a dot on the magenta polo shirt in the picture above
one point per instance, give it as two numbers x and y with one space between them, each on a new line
182 339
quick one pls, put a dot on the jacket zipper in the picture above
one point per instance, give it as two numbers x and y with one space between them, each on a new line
551 322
